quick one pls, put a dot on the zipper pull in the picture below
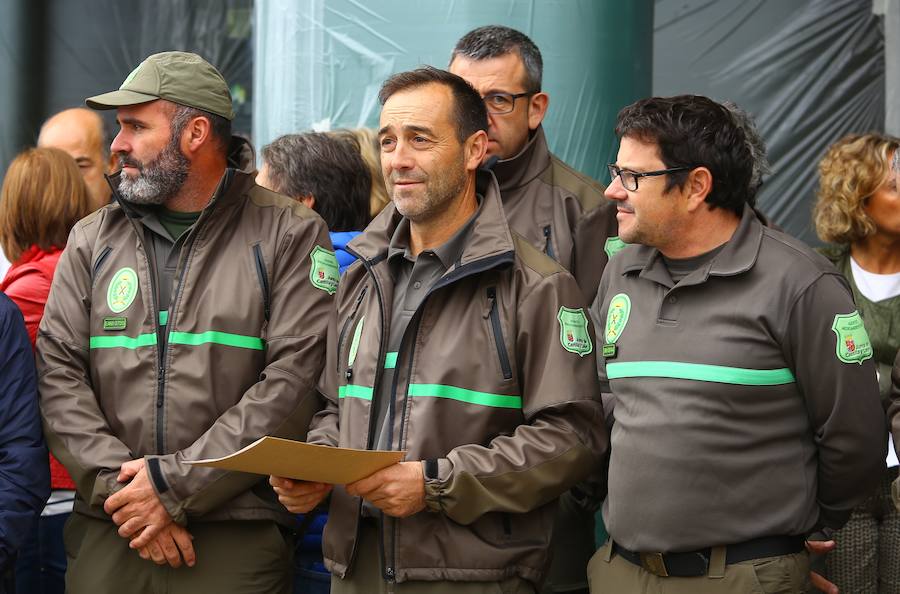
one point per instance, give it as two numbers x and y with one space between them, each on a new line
492 302
348 375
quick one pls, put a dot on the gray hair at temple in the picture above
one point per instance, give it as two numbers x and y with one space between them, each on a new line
494 41
756 145
897 161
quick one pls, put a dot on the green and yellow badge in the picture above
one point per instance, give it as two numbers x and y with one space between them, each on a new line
354 344
613 246
853 345
122 290
616 318
573 331
324 273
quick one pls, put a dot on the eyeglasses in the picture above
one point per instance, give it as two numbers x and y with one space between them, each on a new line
630 178
498 103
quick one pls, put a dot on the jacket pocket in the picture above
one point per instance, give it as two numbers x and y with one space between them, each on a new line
494 315
346 326
99 263
548 241
263 278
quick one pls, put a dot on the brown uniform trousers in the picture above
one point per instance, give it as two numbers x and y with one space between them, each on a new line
609 573
238 556
365 575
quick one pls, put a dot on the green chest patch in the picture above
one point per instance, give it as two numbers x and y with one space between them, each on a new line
853 345
324 273
617 317
354 344
122 290
573 331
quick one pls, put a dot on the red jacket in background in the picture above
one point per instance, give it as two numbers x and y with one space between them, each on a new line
27 284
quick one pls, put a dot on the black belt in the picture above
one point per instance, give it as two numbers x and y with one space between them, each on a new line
696 563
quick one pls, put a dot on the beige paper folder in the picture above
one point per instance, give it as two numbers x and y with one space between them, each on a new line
304 461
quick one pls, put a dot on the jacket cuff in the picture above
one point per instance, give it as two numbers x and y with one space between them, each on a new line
105 486
437 478
155 471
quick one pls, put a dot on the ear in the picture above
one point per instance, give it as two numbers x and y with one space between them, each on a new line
475 150
197 133
309 201
537 109
698 186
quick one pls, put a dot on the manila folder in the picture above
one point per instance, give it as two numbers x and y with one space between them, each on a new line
304 461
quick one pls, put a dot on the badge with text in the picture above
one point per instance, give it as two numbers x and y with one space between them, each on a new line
324 273
616 318
354 344
853 345
122 290
114 324
573 331
613 246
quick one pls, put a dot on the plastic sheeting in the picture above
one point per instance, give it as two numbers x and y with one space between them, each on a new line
810 72
90 46
320 63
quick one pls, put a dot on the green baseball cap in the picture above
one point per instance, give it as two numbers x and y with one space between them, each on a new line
179 77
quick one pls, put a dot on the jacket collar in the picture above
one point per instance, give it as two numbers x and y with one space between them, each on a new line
738 256
531 162
490 238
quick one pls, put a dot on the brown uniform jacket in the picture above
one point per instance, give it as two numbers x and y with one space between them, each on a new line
559 211
485 392
245 334
745 396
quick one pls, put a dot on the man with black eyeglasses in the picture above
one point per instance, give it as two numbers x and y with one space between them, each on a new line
560 211
739 374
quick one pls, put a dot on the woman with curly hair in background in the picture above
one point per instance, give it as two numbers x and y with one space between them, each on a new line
858 211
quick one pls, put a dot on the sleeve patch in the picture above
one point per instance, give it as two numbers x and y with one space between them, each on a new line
324 273
853 345
573 331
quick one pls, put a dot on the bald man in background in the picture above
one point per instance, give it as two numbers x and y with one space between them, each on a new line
80 133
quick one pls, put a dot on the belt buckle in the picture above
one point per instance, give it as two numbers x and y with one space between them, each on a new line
655 563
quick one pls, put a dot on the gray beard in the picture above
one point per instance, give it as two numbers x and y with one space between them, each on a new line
157 181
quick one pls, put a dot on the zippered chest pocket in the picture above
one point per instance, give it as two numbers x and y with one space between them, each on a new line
345 336
493 315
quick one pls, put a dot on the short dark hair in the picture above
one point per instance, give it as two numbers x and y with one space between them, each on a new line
471 114
694 131
494 41
755 143
220 128
329 169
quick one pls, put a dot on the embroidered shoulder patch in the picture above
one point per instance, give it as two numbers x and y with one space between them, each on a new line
573 331
853 345
324 273
613 246
122 290
354 344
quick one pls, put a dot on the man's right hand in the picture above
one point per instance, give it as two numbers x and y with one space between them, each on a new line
299 497
170 546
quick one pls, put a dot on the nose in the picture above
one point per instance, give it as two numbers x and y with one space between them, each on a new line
400 158
119 145
615 190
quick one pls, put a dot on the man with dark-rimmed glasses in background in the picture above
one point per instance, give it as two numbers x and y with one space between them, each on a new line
560 211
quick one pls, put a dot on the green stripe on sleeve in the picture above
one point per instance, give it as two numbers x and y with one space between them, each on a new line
214 337
351 391
700 372
163 317
123 342
390 360
463 395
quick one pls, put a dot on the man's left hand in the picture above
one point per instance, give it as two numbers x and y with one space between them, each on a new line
137 508
397 490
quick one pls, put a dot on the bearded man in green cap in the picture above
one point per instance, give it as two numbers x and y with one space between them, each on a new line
186 320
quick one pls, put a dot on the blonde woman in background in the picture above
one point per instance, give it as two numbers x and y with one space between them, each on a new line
858 211
367 141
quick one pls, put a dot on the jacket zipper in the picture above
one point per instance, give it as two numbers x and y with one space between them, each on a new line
498 333
263 279
345 327
548 245
98 265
